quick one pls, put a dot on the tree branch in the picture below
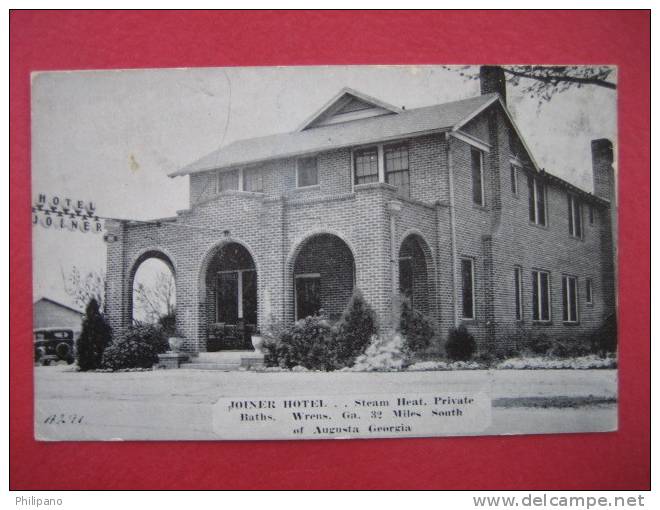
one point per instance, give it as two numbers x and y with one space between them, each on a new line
554 79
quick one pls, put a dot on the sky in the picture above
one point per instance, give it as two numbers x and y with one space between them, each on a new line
113 136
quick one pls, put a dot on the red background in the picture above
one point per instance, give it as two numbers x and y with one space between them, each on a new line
56 40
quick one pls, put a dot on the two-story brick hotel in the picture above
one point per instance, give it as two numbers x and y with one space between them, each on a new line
443 204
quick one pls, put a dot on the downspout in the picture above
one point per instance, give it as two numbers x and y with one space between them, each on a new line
452 226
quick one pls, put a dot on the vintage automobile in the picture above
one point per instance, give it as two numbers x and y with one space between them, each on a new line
54 344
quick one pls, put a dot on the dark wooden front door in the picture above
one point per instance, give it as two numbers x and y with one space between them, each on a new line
308 296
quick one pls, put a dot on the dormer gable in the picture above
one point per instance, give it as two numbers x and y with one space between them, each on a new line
346 106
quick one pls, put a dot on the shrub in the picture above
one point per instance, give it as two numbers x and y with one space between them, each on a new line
460 345
168 324
604 339
415 328
94 338
310 343
354 330
539 343
137 348
570 347
384 353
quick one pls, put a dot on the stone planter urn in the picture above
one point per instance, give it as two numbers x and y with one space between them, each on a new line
258 343
176 342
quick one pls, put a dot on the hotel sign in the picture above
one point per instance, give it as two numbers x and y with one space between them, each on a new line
66 214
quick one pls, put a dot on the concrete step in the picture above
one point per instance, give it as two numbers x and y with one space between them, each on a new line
225 360
225 367
222 356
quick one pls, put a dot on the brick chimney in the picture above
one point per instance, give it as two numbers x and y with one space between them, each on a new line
602 158
492 79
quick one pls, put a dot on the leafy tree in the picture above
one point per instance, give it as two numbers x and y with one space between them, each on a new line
543 82
95 336
85 287
158 299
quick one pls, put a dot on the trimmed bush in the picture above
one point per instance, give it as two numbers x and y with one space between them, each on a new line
354 330
309 343
316 345
94 338
415 328
138 348
460 345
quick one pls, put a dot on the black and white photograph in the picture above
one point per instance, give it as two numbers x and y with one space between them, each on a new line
324 252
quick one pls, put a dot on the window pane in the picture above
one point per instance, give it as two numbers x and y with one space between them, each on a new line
570 215
577 211
228 180
468 302
252 180
477 191
396 168
514 180
564 299
366 166
545 297
540 202
517 285
589 291
535 296
591 214
572 292
308 174
532 201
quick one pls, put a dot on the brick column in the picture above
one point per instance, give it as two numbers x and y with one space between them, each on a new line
116 299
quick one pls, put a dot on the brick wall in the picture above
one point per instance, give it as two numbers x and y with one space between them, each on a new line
372 221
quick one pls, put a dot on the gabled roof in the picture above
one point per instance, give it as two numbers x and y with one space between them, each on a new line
428 119
58 304
347 105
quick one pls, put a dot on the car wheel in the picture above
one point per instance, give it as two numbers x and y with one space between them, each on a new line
63 350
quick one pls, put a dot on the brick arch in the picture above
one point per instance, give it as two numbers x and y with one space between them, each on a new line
142 256
208 258
297 249
414 244
203 291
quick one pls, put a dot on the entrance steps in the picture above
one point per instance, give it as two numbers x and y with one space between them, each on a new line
226 361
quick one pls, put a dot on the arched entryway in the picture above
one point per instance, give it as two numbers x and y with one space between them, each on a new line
152 290
323 276
230 284
415 273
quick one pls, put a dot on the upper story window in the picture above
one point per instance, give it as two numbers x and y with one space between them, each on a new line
541 296
366 165
228 180
569 296
574 217
591 214
477 176
514 179
537 207
253 180
589 291
397 172
307 172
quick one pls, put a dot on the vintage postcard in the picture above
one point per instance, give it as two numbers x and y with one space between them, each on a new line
324 252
